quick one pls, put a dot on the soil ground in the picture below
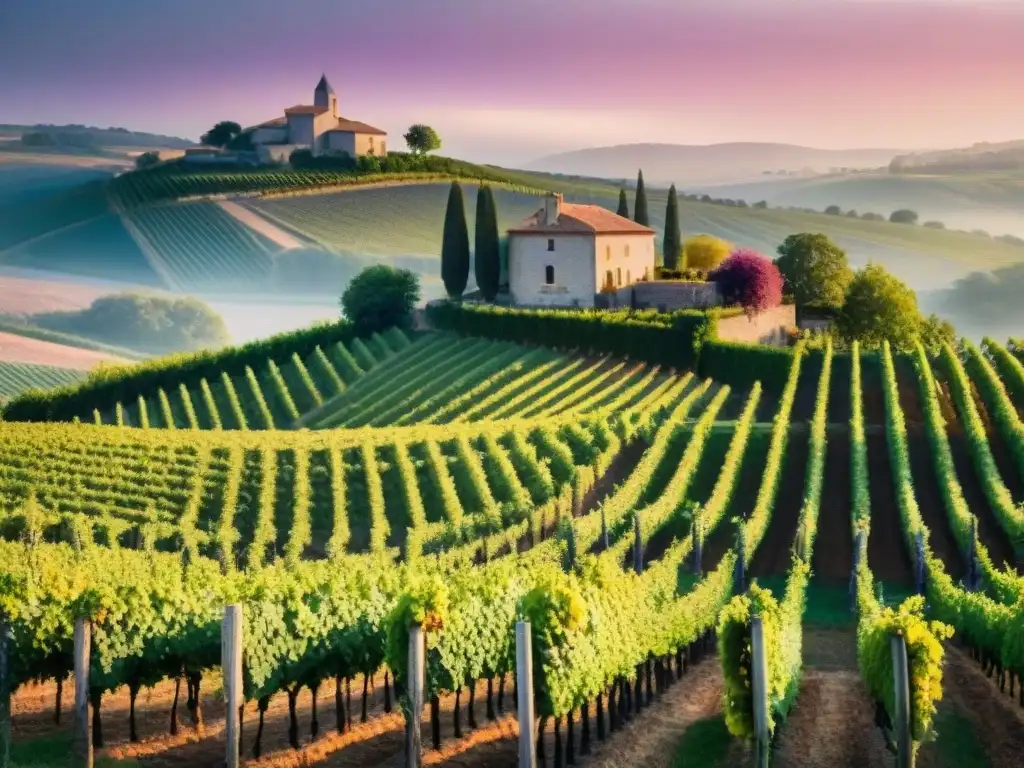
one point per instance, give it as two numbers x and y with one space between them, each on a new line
932 505
774 554
887 556
833 548
832 721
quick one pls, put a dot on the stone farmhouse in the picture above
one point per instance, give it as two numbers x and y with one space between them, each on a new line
317 127
565 255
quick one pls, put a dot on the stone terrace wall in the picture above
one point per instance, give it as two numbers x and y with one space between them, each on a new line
766 328
665 295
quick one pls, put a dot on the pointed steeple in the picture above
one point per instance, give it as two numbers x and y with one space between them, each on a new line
323 86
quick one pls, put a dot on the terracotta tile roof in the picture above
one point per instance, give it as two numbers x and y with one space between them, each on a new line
277 122
578 219
354 126
305 109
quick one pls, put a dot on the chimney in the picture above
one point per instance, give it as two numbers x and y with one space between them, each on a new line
552 207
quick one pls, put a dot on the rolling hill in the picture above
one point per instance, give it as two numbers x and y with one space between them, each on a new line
689 165
299 236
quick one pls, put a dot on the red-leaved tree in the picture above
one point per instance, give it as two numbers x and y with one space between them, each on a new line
749 279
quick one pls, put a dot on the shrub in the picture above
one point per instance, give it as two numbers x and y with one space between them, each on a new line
903 216
380 297
705 252
934 225
749 279
833 210
869 216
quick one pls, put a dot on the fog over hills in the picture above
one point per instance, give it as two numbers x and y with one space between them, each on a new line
683 164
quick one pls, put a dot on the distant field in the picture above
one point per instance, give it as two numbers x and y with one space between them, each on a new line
21 349
386 221
99 247
201 247
16 378
992 202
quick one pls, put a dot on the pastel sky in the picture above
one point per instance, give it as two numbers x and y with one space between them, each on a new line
511 81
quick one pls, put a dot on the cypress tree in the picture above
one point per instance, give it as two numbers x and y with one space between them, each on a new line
623 204
672 245
640 205
487 257
455 245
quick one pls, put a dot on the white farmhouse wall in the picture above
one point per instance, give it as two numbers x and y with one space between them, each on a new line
323 122
573 260
340 142
625 257
300 129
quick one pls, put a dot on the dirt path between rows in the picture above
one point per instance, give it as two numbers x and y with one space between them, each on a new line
258 224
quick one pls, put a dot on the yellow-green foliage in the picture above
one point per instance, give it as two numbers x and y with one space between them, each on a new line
705 252
924 660
735 651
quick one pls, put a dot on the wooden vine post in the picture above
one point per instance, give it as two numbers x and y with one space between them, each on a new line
524 695
858 545
81 740
759 686
919 566
901 698
638 544
231 664
413 742
5 692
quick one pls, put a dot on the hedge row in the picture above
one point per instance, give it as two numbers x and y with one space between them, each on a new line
671 339
739 365
121 384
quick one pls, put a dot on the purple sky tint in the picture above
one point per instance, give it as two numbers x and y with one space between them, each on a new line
509 81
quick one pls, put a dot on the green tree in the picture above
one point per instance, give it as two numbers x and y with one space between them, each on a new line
903 216
640 204
145 322
221 134
455 244
623 204
935 332
833 210
487 253
422 139
815 269
147 160
880 307
705 252
380 297
672 245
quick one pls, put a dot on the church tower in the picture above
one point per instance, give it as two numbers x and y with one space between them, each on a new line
324 96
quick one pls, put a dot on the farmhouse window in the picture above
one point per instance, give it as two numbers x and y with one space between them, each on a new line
551 245
618 276
627 256
549 275
627 277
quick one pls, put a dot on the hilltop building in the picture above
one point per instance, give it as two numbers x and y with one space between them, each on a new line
317 127
565 254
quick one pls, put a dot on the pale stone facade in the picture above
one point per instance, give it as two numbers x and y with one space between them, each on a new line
319 128
565 254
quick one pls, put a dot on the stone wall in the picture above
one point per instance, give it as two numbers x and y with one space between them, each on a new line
665 295
766 328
